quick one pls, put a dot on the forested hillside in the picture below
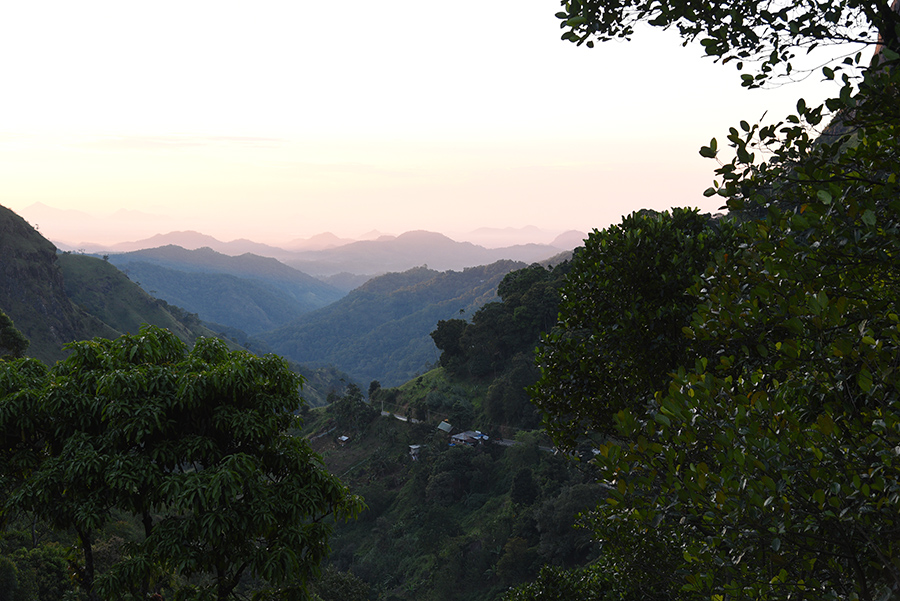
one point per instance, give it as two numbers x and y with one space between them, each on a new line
458 521
32 291
380 331
527 497
97 287
248 292
56 298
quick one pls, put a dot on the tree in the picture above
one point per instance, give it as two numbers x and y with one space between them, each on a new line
447 337
776 452
43 573
351 410
9 581
517 562
13 343
524 489
740 31
507 401
500 331
556 584
623 307
770 458
22 382
196 444
334 585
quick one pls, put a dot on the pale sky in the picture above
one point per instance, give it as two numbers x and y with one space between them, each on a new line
274 120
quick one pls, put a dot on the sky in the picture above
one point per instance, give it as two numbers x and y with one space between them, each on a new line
274 120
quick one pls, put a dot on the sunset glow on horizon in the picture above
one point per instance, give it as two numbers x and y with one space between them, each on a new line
278 120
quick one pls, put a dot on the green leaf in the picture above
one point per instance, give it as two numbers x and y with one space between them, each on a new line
868 217
864 379
825 423
710 151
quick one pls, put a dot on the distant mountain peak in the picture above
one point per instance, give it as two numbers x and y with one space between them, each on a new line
420 235
374 235
569 240
188 239
323 241
496 237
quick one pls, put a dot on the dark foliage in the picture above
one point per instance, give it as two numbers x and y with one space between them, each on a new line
13 343
624 305
500 331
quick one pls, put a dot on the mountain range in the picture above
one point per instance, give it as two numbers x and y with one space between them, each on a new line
326 256
54 299
368 327
248 292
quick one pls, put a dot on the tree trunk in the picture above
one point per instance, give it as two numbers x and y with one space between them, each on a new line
87 573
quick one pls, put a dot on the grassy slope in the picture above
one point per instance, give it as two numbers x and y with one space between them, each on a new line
33 294
102 290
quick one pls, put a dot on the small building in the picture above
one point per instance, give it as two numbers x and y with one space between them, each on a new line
445 426
469 438
414 451
342 440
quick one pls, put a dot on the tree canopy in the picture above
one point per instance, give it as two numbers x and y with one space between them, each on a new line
195 444
765 463
775 453
501 330
741 31
13 343
766 459
624 304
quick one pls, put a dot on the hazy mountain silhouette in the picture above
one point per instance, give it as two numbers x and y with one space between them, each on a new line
496 237
322 241
412 249
569 240
191 240
248 292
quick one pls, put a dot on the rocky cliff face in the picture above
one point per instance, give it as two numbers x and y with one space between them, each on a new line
33 295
